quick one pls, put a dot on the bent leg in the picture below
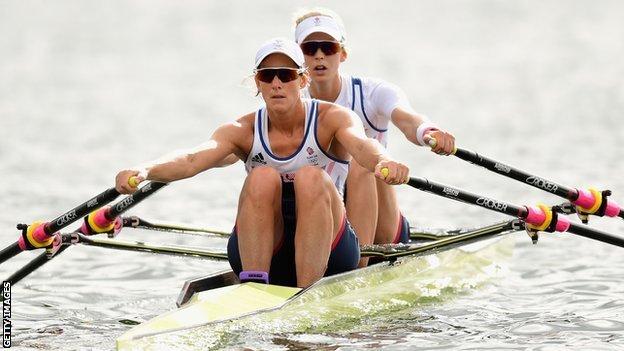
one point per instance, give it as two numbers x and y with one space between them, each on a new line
362 205
319 217
259 223
389 215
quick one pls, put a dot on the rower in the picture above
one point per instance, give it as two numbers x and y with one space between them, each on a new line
291 227
371 205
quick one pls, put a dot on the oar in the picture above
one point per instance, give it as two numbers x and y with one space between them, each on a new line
40 237
104 220
537 219
588 201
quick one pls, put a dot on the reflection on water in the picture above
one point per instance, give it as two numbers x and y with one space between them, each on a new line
90 87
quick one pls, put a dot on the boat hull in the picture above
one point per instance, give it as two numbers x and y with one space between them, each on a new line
380 287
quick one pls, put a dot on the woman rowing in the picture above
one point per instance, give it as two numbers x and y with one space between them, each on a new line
371 205
291 227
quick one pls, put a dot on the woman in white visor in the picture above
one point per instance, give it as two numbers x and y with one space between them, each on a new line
371 205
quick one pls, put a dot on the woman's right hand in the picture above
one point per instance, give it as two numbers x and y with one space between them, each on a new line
123 183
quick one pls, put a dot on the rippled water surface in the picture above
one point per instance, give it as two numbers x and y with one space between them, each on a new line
90 87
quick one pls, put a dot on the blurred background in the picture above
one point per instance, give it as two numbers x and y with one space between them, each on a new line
89 87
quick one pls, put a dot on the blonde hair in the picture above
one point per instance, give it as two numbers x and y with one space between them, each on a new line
305 13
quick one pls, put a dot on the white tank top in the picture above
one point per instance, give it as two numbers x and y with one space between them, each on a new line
374 126
373 100
309 153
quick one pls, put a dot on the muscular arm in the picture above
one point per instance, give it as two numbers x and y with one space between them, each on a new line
213 153
389 100
407 122
226 143
350 133
367 152
412 124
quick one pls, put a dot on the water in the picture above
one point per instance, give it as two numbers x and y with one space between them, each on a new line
88 88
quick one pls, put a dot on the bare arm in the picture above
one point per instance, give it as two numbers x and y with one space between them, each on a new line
210 154
412 124
367 152
350 133
219 151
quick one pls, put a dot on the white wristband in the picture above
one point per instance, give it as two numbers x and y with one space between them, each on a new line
423 129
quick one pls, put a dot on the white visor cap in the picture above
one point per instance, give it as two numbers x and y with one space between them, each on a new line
323 24
283 46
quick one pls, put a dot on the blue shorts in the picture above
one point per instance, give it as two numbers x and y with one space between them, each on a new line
344 256
403 231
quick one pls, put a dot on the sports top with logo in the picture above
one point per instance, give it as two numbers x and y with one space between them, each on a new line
373 101
309 153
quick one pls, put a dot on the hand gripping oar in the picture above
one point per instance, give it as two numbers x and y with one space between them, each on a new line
587 202
40 235
537 219
104 220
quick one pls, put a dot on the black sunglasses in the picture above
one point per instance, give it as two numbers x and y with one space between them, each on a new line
284 74
329 48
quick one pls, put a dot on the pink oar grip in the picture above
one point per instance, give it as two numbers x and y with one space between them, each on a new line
563 224
99 218
21 243
39 233
585 199
612 209
535 216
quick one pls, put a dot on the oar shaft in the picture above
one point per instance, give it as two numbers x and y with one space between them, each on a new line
519 175
67 239
465 196
9 251
31 266
131 201
595 234
533 216
64 220
80 211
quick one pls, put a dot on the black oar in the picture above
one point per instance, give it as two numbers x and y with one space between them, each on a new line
590 202
109 214
537 219
62 221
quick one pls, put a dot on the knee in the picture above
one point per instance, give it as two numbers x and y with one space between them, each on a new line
262 183
312 182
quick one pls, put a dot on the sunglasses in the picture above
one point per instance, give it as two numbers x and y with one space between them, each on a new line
329 48
284 74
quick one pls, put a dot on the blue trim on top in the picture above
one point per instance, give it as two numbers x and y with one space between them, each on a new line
268 150
334 158
358 81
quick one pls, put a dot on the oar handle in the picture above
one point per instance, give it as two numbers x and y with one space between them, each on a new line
138 196
133 181
517 174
